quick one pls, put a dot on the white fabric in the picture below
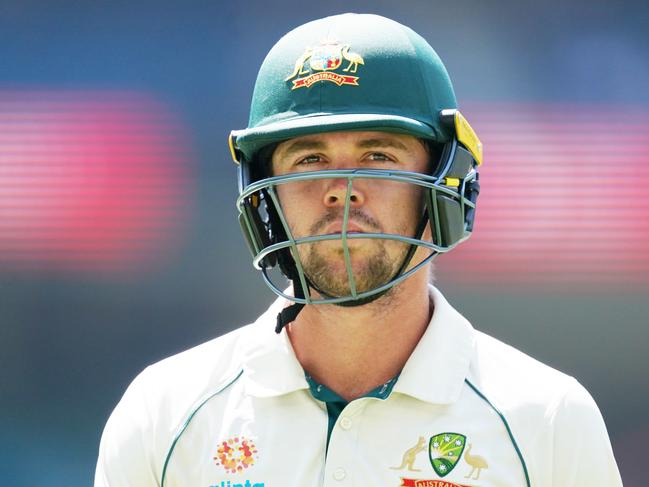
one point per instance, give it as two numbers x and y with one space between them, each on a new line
248 386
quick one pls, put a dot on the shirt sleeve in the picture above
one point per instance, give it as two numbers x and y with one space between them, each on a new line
583 456
126 447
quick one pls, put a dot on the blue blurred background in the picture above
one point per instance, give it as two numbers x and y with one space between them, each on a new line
119 243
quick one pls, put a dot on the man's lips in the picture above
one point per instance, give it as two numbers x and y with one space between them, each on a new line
337 227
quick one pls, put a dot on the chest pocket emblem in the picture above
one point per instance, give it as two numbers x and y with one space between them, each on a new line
444 451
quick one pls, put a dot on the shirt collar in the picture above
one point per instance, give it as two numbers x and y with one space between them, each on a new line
324 394
270 365
436 370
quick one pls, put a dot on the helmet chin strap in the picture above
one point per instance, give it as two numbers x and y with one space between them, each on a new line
289 314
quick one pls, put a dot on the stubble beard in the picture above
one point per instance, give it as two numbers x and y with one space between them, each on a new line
374 271
374 261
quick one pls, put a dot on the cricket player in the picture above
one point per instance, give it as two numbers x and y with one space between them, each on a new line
356 170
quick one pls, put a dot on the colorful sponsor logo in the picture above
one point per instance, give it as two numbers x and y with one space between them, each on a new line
428 483
235 455
320 63
444 451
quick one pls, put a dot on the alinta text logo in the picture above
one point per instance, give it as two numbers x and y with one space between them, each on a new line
246 483
320 63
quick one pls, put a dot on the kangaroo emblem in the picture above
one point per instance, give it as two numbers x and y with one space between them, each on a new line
299 64
410 455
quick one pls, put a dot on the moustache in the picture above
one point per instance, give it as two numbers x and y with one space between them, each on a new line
356 215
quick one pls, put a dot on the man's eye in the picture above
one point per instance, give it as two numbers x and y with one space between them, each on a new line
309 159
379 156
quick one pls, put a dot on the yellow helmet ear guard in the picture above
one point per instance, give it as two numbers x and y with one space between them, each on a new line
464 133
234 152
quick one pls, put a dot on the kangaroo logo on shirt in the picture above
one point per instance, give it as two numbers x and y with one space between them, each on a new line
444 451
410 455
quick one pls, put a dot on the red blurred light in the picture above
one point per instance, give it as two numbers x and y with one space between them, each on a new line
96 180
563 197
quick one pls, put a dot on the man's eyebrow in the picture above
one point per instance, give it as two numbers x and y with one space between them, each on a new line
371 143
302 145
374 143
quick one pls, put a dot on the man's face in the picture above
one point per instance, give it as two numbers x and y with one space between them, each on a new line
316 207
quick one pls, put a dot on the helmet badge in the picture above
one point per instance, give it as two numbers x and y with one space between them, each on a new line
320 63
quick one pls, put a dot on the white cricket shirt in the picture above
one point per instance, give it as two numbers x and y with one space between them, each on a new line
466 410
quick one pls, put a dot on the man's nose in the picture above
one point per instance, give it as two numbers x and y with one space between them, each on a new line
336 193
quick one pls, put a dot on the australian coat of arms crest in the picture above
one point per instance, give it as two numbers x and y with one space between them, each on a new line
322 63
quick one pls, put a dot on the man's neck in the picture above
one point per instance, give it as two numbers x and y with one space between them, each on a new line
354 349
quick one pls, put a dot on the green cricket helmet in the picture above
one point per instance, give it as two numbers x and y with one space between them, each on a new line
353 72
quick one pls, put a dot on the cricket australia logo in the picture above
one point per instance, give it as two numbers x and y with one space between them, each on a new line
444 451
320 63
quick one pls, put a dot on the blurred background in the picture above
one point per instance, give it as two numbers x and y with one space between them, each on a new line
119 243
